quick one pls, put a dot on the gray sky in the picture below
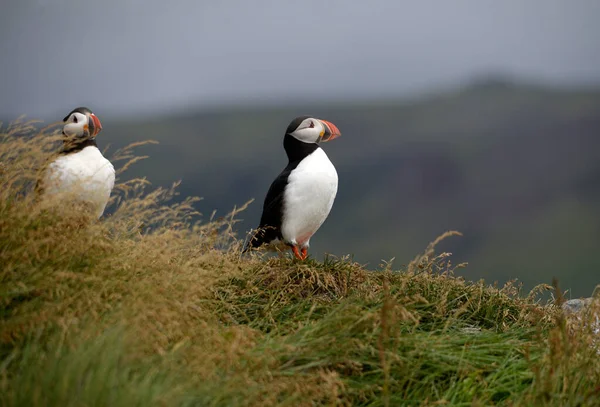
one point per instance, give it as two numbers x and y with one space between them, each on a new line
123 57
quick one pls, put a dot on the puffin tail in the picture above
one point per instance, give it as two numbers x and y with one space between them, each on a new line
252 242
257 238
247 246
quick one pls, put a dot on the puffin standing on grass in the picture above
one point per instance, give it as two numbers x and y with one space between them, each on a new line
80 169
300 198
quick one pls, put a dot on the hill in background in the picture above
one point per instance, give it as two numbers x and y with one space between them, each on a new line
515 168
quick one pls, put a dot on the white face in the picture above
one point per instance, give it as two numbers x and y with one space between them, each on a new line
76 125
309 131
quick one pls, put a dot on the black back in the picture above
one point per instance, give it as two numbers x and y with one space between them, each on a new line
272 215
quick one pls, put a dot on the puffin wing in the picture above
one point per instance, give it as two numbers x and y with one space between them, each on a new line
270 221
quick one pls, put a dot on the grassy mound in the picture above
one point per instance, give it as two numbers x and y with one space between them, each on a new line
146 307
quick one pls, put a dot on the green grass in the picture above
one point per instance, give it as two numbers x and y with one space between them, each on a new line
147 308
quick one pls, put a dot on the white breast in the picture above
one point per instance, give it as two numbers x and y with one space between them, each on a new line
308 198
86 174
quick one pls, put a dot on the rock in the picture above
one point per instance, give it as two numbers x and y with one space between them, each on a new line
577 305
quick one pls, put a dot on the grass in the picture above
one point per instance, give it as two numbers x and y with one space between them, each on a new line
146 307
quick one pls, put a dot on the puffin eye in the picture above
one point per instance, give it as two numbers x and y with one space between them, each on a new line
74 119
312 125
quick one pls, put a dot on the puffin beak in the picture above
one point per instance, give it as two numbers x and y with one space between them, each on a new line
331 131
94 125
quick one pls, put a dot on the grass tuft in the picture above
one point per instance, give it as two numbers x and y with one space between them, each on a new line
148 306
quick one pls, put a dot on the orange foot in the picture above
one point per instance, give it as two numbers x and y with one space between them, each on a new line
304 253
296 253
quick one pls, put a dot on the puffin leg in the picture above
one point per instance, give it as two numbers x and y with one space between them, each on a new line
304 253
296 253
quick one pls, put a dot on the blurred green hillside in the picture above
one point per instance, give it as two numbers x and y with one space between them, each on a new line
515 168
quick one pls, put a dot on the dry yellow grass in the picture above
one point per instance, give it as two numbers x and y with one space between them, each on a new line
149 307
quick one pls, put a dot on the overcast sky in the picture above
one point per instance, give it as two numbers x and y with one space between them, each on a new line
123 57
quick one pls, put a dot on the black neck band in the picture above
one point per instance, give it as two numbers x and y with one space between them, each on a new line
73 146
296 150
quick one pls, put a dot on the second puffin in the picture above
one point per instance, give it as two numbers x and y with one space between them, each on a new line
300 198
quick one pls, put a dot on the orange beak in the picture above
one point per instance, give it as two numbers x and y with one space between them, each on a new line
95 125
331 131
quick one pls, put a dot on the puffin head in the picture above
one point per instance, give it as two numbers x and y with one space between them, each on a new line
310 130
81 123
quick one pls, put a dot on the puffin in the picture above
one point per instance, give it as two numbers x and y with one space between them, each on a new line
80 170
300 198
